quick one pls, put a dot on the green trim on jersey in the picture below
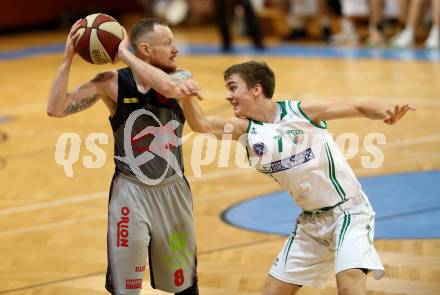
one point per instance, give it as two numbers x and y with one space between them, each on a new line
282 105
368 227
290 106
347 219
249 126
246 146
323 124
331 169
250 122
290 241
248 156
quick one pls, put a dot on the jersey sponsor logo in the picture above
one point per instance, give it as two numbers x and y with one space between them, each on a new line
133 284
131 100
163 131
296 135
160 146
288 163
139 268
260 148
179 256
99 56
122 232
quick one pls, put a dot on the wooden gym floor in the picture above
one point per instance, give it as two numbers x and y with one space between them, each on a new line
53 228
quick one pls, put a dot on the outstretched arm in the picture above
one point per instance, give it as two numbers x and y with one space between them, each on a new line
165 84
61 102
199 122
322 111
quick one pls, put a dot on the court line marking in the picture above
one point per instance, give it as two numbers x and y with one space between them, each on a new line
417 102
220 174
407 213
207 176
52 282
53 225
53 203
99 195
23 109
395 164
271 238
67 222
407 142
95 217
246 51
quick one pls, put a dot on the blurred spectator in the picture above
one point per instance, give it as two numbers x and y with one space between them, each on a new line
348 34
201 11
147 6
403 9
375 29
301 11
407 37
325 20
225 10
173 11
376 35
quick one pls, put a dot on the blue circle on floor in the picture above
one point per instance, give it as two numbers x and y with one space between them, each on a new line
407 207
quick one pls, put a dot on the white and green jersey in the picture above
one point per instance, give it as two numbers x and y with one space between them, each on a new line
302 157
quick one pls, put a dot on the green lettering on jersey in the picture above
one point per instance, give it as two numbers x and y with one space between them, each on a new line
279 138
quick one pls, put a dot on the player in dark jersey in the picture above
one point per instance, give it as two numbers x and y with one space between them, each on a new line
150 204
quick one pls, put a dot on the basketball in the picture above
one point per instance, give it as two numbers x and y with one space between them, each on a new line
100 35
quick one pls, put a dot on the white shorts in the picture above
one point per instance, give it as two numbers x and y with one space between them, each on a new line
341 237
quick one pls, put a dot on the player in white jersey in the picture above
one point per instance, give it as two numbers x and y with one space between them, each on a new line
291 143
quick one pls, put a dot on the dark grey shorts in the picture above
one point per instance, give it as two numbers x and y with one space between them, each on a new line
154 220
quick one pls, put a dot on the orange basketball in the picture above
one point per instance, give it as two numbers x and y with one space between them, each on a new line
100 35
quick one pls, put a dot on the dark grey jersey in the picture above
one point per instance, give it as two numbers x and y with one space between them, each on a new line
147 129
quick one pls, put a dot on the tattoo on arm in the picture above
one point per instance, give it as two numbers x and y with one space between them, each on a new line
80 105
180 76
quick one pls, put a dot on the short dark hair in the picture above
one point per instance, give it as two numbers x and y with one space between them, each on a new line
253 73
142 28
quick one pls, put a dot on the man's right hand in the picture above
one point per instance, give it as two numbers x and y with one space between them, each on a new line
123 47
190 88
73 36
